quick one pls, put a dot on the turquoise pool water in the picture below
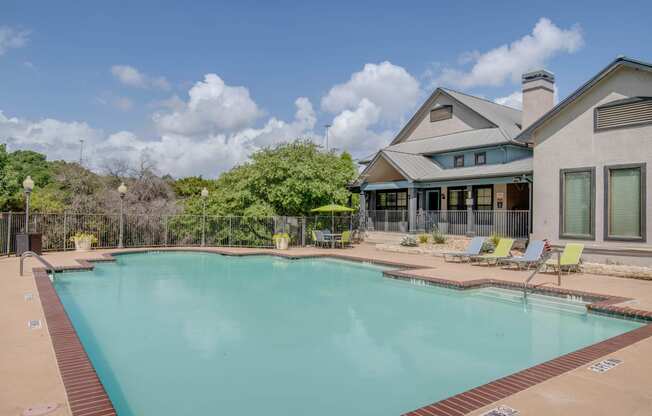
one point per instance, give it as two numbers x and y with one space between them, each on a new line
193 333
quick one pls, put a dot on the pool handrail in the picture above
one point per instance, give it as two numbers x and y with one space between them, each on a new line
27 254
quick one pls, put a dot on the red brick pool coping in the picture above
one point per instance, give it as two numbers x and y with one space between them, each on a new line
87 396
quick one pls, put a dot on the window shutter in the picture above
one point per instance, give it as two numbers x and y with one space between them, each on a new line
577 203
625 202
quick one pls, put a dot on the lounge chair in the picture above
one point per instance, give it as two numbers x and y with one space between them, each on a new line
345 240
533 256
570 259
473 249
501 252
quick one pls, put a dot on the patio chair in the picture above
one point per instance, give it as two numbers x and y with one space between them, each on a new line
533 256
345 241
501 252
473 249
570 259
318 238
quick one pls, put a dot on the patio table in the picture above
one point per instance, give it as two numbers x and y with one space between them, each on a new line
333 237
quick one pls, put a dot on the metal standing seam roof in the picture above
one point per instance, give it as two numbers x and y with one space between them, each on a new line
452 142
422 168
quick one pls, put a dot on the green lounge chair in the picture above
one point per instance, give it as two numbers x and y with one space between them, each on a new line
570 259
345 240
501 252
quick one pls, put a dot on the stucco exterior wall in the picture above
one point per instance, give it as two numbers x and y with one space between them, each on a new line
569 141
463 119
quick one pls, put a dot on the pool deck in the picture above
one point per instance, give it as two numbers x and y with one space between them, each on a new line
30 375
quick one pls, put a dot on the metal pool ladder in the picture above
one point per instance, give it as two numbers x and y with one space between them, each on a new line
536 270
39 258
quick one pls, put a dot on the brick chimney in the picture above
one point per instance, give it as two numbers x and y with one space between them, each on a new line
538 95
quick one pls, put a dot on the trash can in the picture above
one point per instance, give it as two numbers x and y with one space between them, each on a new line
29 242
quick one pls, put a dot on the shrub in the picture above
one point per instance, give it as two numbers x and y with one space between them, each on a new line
491 243
281 235
438 237
409 241
423 238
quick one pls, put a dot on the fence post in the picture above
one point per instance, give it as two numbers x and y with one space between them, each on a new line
9 235
230 230
65 230
165 226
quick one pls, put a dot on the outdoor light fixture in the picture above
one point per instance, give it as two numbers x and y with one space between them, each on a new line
122 190
28 186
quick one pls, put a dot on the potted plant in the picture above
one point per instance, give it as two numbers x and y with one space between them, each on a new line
83 241
281 240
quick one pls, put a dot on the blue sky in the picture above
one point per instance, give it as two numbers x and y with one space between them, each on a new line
120 73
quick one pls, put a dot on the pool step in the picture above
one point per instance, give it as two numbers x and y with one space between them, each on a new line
534 300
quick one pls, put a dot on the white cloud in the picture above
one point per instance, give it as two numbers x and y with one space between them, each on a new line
132 77
351 130
11 38
390 87
514 100
213 107
509 62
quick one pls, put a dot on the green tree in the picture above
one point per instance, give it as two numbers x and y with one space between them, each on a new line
287 179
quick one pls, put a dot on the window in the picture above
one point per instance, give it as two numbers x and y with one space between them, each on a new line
442 112
624 202
629 112
577 203
457 199
391 200
481 158
459 161
483 197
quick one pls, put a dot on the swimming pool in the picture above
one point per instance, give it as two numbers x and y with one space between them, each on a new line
174 333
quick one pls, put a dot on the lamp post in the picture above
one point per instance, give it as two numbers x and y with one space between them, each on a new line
204 195
28 186
122 190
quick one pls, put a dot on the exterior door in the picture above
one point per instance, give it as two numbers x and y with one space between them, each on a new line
433 200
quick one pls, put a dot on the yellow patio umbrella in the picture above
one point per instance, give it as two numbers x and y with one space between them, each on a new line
332 208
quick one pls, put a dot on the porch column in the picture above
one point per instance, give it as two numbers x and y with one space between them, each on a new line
363 211
412 209
470 221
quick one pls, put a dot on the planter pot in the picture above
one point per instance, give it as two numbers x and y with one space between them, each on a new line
282 243
83 244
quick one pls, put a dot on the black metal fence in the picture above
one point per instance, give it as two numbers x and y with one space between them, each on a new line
167 231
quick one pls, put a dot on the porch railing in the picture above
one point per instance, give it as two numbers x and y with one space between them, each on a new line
454 222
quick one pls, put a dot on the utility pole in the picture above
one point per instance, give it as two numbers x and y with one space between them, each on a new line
327 126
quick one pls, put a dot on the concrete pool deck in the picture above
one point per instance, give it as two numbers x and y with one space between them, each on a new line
30 376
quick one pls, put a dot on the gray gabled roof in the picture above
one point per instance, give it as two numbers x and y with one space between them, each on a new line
421 168
526 134
505 118
452 142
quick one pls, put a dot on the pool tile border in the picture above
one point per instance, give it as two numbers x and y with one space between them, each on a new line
87 396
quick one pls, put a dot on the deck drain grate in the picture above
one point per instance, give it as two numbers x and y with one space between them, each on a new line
34 324
605 365
29 296
501 411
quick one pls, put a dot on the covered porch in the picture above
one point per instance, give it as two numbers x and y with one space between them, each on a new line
499 205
